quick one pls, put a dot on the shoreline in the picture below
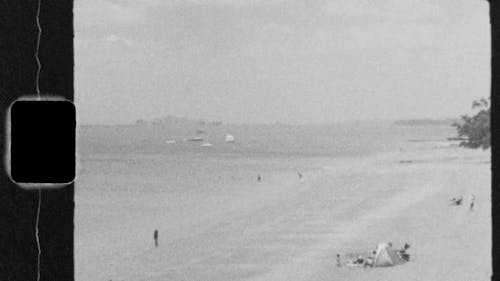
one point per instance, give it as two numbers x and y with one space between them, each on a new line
281 225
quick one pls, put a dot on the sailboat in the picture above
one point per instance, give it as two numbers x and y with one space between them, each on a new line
195 139
206 144
229 138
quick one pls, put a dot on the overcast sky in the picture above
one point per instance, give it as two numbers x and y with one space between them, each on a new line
255 61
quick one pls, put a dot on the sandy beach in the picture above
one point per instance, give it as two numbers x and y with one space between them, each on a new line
447 242
225 225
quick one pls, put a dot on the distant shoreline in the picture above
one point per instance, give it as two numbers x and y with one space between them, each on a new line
178 120
426 122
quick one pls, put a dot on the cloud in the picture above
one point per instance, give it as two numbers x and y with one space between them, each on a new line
384 10
97 17
103 13
125 15
117 39
234 2
205 2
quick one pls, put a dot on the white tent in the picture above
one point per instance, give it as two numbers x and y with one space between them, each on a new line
386 256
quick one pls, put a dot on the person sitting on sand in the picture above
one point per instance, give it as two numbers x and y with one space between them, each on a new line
457 201
369 260
359 260
402 253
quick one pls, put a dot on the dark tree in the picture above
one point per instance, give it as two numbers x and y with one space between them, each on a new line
476 129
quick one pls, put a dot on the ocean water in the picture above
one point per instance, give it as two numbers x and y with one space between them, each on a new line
139 156
130 181
139 159
347 139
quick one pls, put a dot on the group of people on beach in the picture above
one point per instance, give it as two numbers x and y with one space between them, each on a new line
369 261
458 201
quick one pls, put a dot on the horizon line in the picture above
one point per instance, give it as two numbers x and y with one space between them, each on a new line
207 121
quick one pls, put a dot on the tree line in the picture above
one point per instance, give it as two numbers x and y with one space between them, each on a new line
475 129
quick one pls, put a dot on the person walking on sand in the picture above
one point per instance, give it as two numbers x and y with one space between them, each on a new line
472 198
155 237
258 177
338 260
300 175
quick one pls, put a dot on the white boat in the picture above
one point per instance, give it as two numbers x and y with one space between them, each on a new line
195 139
229 138
170 141
206 144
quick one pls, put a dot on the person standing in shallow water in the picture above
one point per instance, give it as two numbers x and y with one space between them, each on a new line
155 237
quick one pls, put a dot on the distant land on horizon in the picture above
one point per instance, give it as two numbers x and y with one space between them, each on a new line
192 121
426 122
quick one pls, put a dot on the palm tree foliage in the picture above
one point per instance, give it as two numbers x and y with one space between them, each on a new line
476 129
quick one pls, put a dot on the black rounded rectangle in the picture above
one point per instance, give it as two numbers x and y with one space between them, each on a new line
42 141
